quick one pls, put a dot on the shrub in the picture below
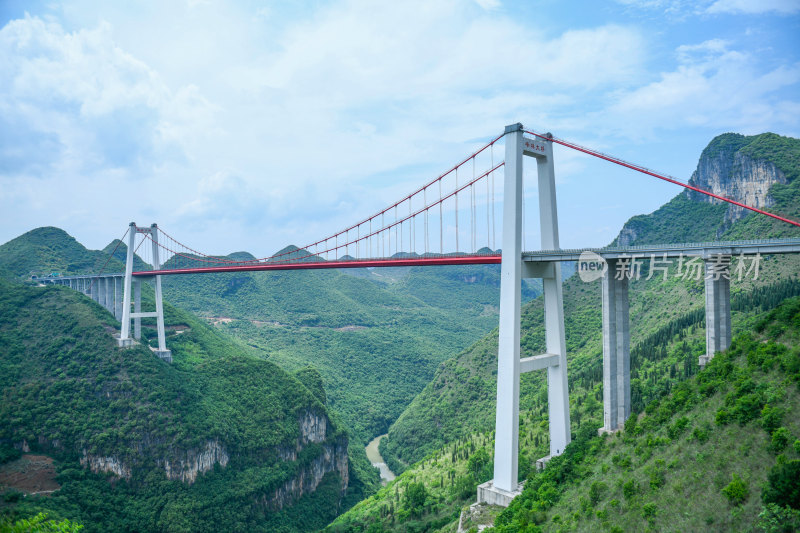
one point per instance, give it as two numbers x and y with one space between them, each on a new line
776 519
596 491
701 434
649 510
722 417
622 461
629 489
736 491
783 485
780 439
771 418
678 427
415 497
657 477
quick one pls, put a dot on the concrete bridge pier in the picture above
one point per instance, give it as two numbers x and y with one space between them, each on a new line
108 303
117 297
718 305
616 347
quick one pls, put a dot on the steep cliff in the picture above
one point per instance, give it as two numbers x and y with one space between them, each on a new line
728 170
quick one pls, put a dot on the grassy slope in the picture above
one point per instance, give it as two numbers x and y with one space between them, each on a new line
67 388
733 420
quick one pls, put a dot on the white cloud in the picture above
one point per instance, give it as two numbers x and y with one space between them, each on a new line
712 87
784 7
488 5
91 105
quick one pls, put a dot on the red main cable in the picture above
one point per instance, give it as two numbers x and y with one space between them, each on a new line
664 177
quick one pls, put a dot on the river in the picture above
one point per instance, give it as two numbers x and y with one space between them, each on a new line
375 458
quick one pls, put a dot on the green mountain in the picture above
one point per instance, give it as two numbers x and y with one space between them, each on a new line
217 437
453 417
44 251
375 335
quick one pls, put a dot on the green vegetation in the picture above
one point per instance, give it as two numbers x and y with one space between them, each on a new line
666 456
67 391
38 524
375 336
44 251
663 473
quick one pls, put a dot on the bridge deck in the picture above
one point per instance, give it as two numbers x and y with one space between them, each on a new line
703 249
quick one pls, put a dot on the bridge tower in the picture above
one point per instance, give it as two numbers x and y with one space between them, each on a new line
505 485
125 332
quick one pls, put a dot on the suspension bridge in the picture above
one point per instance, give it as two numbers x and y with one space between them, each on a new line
459 218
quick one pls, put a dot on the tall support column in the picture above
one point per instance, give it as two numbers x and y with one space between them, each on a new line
109 295
162 345
137 308
616 348
125 330
506 445
557 386
118 297
504 487
718 306
101 290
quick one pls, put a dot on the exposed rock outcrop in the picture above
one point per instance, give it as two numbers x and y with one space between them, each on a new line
193 462
313 428
187 465
107 464
725 170
332 459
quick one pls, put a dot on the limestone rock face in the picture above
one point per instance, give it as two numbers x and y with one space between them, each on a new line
313 428
113 465
333 458
186 465
730 173
190 463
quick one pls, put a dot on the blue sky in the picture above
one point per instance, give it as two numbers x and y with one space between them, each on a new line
252 125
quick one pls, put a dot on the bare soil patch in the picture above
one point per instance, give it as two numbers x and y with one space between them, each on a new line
31 474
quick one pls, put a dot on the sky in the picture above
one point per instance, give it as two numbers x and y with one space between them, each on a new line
252 125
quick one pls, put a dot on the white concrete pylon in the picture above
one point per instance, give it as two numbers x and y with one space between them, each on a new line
125 329
505 485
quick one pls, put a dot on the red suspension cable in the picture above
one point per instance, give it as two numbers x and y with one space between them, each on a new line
664 177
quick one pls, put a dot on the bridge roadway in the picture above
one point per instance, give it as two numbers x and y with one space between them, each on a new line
702 249
698 249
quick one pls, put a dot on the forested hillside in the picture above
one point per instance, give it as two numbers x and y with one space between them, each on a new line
721 452
375 335
217 437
